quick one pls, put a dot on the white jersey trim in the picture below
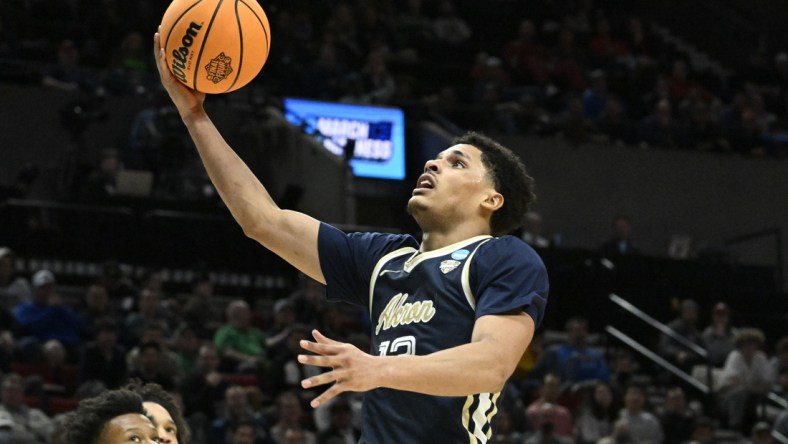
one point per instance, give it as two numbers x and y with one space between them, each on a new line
466 280
377 270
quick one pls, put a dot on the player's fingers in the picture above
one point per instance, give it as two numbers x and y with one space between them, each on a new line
321 349
322 339
329 394
319 361
158 54
321 379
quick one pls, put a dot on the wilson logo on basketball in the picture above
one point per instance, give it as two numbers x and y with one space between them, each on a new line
181 55
219 68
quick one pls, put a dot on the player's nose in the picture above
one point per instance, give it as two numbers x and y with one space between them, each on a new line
432 166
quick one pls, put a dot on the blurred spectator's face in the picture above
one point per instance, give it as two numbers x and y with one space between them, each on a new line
43 293
721 317
155 282
188 341
603 396
235 398
149 301
690 314
675 401
634 399
204 289
106 339
289 408
240 316
703 435
749 348
97 298
207 360
154 334
527 30
578 332
54 353
243 435
551 388
293 436
284 316
6 268
13 395
622 228
149 360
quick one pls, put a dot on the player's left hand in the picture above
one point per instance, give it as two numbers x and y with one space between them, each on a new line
351 368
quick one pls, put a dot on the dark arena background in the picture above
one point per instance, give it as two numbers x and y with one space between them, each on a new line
657 133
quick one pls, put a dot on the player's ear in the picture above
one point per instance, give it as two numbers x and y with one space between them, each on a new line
493 201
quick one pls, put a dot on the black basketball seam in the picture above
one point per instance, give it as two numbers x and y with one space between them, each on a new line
241 52
205 39
167 41
265 28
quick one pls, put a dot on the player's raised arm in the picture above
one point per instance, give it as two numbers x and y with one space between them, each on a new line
289 234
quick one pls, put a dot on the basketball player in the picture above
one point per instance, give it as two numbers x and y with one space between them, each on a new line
451 316
113 417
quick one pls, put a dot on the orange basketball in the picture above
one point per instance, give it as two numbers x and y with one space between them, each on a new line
215 46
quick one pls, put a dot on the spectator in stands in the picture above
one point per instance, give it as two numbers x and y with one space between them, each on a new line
150 369
101 184
596 417
243 433
621 243
523 51
198 311
119 286
309 301
761 433
505 432
719 335
148 312
660 129
677 419
45 317
237 410
284 319
290 420
575 127
532 231
97 305
575 362
684 325
204 390
642 425
58 377
547 410
596 95
25 425
745 379
779 362
104 360
341 428
449 27
614 125
238 343
286 373
14 289
186 348
703 133
170 364
703 432
606 47
619 435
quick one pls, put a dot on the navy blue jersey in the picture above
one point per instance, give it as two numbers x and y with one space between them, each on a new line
420 303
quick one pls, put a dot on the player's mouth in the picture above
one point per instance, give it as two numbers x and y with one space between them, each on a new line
426 182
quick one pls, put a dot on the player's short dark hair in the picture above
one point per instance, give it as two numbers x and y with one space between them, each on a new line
509 177
152 392
91 416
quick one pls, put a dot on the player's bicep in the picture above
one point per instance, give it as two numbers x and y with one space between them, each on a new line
294 238
506 336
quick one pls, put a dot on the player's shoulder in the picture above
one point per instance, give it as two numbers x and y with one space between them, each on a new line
384 239
510 248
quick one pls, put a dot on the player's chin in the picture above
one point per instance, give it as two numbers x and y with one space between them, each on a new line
416 204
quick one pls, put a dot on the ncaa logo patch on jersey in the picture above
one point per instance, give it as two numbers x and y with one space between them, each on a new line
449 265
460 254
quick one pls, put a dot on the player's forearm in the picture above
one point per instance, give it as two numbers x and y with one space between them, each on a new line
460 371
244 195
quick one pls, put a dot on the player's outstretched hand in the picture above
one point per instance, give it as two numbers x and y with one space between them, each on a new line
185 99
352 369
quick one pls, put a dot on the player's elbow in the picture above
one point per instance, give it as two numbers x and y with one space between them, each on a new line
497 375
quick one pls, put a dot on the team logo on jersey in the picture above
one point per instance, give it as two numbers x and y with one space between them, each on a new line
460 254
449 265
398 312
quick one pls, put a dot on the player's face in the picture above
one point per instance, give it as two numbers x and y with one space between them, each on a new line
452 187
163 421
129 428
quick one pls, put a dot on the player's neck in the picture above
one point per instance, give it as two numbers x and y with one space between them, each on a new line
435 239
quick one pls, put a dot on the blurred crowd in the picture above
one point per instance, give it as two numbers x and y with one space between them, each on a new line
232 362
582 70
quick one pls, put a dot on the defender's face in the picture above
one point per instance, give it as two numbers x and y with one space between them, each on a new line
129 428
453 184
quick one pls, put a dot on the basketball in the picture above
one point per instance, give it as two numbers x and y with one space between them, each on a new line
215 46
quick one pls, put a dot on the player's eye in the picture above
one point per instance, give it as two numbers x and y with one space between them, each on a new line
171 430
458 164
135 438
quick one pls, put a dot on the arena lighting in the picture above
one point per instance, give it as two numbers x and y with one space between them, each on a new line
371 138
